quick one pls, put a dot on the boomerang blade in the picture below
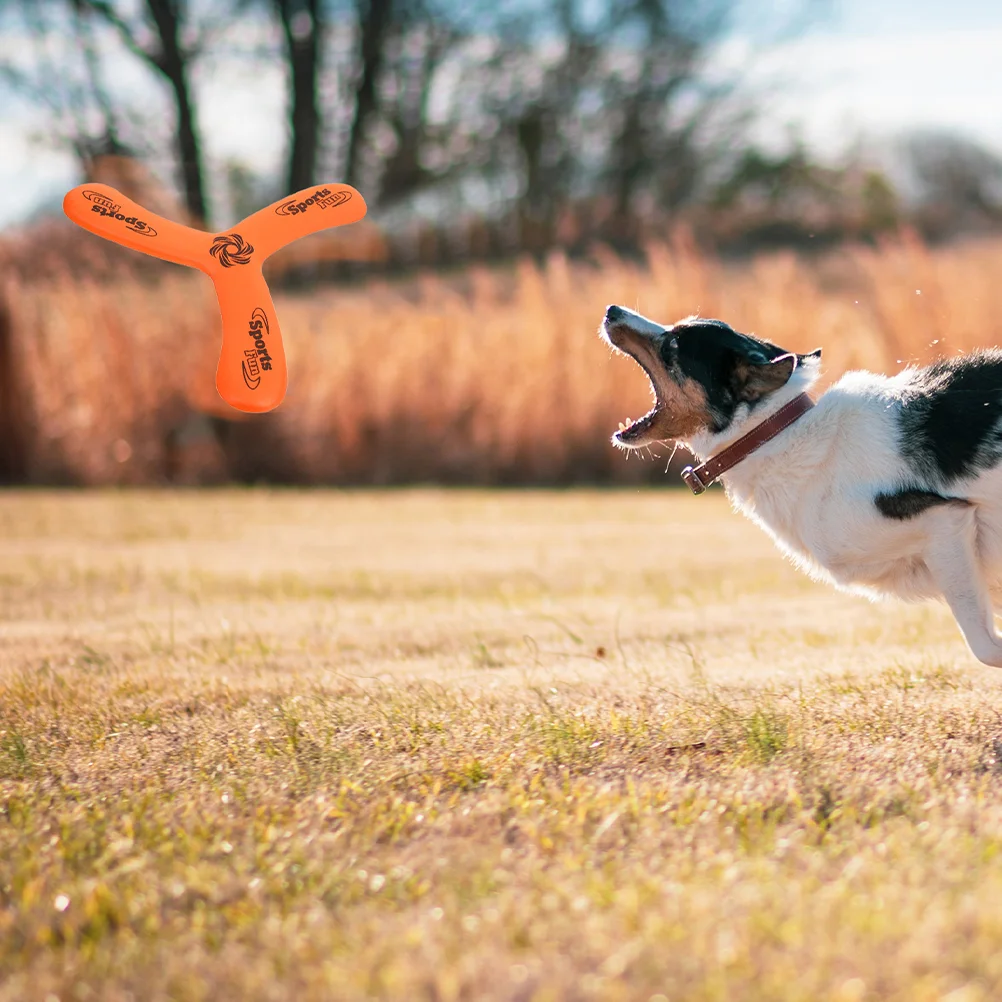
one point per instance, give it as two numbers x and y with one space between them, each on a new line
251 375
308 211
107 213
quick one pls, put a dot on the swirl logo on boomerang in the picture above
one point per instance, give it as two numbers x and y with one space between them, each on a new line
321 197
257 359
104 206
231 249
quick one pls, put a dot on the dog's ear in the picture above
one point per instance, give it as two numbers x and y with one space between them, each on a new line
756 375
814 355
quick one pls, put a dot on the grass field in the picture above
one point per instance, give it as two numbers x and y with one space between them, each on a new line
471 745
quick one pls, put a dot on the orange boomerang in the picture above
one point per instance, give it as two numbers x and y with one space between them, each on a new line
251 375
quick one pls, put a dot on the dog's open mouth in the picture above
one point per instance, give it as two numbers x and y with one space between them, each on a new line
634 336
635 432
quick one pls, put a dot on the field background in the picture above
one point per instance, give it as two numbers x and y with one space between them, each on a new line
488 375
447 745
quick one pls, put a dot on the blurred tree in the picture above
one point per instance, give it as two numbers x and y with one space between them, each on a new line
656 146
373 26
535 105
69 85
521 110
959 180
158 38
774 179
243 189
302 28
84 34
68 80
880 202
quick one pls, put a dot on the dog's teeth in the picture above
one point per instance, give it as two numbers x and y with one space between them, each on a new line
622 425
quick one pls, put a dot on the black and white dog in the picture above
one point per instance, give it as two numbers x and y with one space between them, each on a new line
886 486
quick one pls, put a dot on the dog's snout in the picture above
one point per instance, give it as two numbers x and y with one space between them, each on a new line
619 320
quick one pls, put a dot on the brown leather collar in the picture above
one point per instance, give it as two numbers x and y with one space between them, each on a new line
703 475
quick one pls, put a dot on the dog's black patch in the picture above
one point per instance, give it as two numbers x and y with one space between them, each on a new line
951 416
911 501
724 362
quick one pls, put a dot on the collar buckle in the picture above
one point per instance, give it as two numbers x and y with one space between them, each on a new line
691 478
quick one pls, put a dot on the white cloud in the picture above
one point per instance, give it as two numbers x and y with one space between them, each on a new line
831 85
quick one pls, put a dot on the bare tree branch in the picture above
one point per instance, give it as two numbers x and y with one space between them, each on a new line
126 32
373 25
172 60
302 26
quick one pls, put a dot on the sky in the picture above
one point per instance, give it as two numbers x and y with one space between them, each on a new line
868 69
879 67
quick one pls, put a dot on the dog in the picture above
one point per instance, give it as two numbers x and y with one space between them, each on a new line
886 485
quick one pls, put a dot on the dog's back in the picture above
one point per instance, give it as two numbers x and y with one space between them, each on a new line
950 418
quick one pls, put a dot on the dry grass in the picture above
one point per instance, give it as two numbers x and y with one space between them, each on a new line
471 745
488 377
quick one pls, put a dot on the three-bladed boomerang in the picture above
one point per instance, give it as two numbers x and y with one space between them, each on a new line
251 375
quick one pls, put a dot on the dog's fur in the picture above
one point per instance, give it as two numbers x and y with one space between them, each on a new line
889 486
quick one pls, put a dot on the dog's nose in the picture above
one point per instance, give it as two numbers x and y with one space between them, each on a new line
614 314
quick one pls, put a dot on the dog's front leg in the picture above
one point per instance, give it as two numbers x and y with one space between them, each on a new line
951 557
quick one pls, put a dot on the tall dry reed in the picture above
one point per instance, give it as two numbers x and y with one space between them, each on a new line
486 376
